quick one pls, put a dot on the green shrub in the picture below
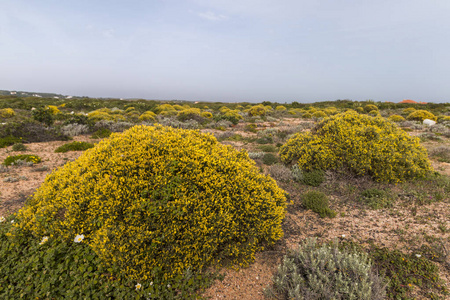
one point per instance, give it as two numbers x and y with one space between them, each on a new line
31 132
74 146
8 141
267 139
269 159
420 115
313 178
325 272
158 200
396 118
43 115
7 113
376 198
267 148
361 144
406 270
318 202
19 147
250 128
230 115
13 160
101 133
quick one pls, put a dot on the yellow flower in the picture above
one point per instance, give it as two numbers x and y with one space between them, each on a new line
44 240
138 286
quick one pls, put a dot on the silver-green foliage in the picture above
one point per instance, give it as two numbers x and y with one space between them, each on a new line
324 272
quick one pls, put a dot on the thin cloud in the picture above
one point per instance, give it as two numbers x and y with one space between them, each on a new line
211 16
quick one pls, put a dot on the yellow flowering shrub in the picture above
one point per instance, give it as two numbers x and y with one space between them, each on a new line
319 114
257 110
158 199
396 118
361 144
164 107
408 110
420 115
148 116
7 113
189 113
370 107
206 114
53 109
280 108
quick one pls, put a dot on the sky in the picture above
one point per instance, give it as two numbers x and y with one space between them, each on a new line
228 51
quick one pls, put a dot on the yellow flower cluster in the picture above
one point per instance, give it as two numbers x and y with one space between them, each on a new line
7 113
148 116
53 109
361 144
155 198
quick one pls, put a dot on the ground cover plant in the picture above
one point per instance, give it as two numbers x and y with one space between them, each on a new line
183 193
74 146
17 159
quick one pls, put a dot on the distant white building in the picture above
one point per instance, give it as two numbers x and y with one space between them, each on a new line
69 97
13 93
36 95
56 97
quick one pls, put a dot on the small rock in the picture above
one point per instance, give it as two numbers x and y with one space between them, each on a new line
429 122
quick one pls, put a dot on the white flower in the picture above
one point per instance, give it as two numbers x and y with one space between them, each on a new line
12 221
343 236
138 286
2 219
418 255
168 286
79 238
44 240
151 283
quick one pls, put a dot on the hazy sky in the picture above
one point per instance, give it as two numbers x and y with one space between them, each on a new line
225 50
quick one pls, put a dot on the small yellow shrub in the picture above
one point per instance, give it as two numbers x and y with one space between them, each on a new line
178 107
441 119
408 110
159 199
98 115
374 112
189 113
361 144
370 107
280 108
319 114
359 109
7 113
53 109
257 110
420 115
206 114
164 107
307 115
396 118
148 116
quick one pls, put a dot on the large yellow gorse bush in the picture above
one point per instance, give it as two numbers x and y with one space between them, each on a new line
160 199
361 144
